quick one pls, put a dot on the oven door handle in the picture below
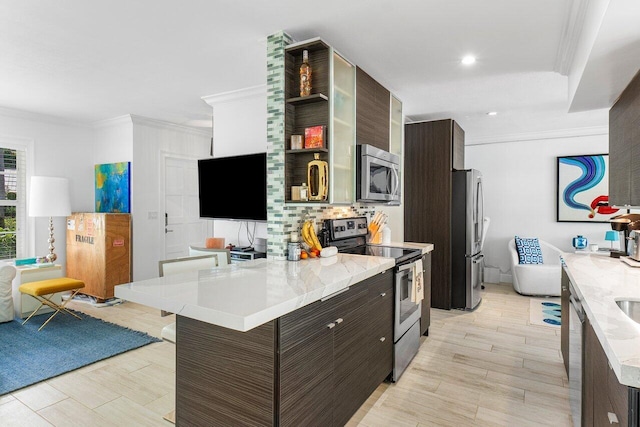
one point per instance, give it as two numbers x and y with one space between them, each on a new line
406 266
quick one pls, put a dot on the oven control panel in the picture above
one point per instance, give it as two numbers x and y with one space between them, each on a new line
343 228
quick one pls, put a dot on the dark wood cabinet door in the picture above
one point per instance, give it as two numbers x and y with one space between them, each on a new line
618 396
427 199
425 315
350 364
624 171
306 382
590 359
373 103
380 326
306 366
564 319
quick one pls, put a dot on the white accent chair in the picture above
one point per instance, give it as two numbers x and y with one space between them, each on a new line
537 279
224 255
7 273
180 265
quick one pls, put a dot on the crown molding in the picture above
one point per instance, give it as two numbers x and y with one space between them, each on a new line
571 34
236 95
43 118
159 124
538 136
115 121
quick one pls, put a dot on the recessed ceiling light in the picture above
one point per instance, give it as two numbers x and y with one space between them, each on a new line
492 113
468 60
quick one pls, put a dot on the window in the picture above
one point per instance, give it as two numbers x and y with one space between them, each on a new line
12 202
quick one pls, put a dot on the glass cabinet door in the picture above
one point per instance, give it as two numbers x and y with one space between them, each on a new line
343 131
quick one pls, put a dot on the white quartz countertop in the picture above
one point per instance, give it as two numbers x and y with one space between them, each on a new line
245 295
600 281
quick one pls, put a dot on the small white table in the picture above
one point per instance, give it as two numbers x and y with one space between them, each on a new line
23 305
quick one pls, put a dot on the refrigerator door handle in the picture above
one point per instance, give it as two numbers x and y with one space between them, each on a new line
480 207
478 258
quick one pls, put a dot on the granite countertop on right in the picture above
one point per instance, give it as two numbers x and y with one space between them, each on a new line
600 282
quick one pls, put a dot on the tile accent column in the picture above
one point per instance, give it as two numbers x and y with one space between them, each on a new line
283 218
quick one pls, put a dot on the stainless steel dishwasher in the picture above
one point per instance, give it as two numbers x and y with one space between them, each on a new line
576 342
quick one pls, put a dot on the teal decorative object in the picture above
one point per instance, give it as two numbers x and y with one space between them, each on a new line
580 242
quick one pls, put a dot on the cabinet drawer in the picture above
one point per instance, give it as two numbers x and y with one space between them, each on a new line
346 302
304 323
381 284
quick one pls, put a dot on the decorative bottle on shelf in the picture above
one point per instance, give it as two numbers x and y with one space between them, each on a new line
305 75
304 192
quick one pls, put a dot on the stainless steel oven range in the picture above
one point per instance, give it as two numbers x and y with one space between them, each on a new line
349 235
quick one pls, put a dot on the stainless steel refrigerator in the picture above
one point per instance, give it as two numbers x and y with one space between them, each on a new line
467 227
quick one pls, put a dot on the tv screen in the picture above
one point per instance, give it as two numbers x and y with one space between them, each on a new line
233 187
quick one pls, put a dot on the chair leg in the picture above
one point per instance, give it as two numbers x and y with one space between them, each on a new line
46 300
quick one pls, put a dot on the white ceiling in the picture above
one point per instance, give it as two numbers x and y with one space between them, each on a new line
88 61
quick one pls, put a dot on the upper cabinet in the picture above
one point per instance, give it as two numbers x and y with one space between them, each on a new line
624 147
373 111
396 128
329 109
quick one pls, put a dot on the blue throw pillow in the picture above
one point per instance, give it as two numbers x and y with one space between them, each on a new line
529 251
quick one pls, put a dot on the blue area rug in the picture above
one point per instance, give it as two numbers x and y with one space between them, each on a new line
28 356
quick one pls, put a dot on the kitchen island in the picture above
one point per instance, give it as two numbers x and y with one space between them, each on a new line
271 342
610 358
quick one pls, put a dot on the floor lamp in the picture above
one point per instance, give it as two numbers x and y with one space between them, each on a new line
49 197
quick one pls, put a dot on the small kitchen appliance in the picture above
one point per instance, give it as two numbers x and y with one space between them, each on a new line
627 225
349 235
377 175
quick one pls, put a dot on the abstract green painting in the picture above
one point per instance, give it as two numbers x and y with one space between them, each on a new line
113 189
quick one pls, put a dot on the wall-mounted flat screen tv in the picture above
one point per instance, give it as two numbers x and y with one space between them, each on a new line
233 187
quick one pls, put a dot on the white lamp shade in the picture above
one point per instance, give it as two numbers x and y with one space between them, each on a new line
49 196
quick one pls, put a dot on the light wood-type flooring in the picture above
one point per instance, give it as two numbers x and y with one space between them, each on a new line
488 367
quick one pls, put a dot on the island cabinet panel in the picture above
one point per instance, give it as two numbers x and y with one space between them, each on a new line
306 381
224 377
306 366
312 367
350 368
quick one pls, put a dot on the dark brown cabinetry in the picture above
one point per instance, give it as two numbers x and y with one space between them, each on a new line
604 398
372 111
624 147
425 315
331 105
564 319
432 151
312 367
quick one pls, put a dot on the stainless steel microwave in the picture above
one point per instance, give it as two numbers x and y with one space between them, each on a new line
378 175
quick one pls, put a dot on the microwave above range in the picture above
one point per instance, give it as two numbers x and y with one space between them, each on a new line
377 175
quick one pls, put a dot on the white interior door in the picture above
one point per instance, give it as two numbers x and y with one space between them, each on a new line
183 226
